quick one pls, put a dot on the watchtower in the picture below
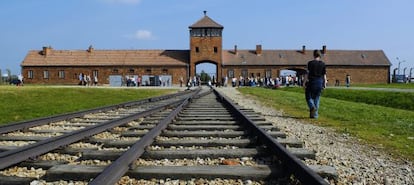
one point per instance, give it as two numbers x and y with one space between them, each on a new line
206 44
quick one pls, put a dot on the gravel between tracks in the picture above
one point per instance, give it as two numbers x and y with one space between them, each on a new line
355 163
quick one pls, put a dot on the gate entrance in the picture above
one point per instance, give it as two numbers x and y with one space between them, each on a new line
206 71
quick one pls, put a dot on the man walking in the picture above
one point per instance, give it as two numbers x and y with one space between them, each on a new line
347 80
315 81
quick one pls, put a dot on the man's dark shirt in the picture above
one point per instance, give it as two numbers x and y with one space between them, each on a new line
316 69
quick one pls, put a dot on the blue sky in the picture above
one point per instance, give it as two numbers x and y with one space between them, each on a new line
163 24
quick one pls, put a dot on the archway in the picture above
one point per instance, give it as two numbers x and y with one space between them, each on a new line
206 70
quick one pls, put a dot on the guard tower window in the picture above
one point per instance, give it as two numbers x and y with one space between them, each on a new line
115 70
131 70
215 50
149 71
197 49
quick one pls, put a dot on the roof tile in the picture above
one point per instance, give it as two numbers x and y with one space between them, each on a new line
107 57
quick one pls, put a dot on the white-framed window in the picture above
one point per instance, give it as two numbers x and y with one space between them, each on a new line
46 74
61 74
231 73
95 73
268 73
30 74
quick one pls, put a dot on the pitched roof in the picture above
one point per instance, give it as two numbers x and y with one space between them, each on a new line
182 57
107 58
298 58
206 22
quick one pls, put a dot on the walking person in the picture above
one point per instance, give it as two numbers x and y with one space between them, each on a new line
315 81
95 80
347 80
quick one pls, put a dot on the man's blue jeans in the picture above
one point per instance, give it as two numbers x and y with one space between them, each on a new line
312 94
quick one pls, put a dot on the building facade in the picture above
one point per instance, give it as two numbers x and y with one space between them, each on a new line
157 67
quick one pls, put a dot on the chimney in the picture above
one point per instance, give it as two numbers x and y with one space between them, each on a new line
303 49
324 49
90 49
46 50
235 49
258 50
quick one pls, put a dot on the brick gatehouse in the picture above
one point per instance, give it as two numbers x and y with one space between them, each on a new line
51 66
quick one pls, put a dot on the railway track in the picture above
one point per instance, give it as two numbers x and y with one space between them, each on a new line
195 137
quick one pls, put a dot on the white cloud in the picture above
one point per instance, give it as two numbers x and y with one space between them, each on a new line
142 35
123 1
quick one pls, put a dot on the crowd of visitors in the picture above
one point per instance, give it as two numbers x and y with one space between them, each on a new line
260 81
87 80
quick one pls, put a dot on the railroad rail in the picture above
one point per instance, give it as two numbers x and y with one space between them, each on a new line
203 126
45 144
40 121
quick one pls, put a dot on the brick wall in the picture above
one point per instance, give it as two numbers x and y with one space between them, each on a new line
359 74
71 73
209 49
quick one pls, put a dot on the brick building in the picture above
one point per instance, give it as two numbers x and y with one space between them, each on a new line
50 66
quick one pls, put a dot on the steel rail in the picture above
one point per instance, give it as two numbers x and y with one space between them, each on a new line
40 121
12 157
302 172
114 172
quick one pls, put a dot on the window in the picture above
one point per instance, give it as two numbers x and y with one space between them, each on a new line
115 70
231 73
131 70
197 49
61 74
164 71
30 74
195 32
46 74
215 32
149 71
268 73
95 73
215 49
205 32
244 73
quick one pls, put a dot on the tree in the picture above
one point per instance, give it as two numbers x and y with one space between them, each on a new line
204 77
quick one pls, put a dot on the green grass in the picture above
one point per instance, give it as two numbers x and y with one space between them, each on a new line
389 128
29 102
399 100
391 85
